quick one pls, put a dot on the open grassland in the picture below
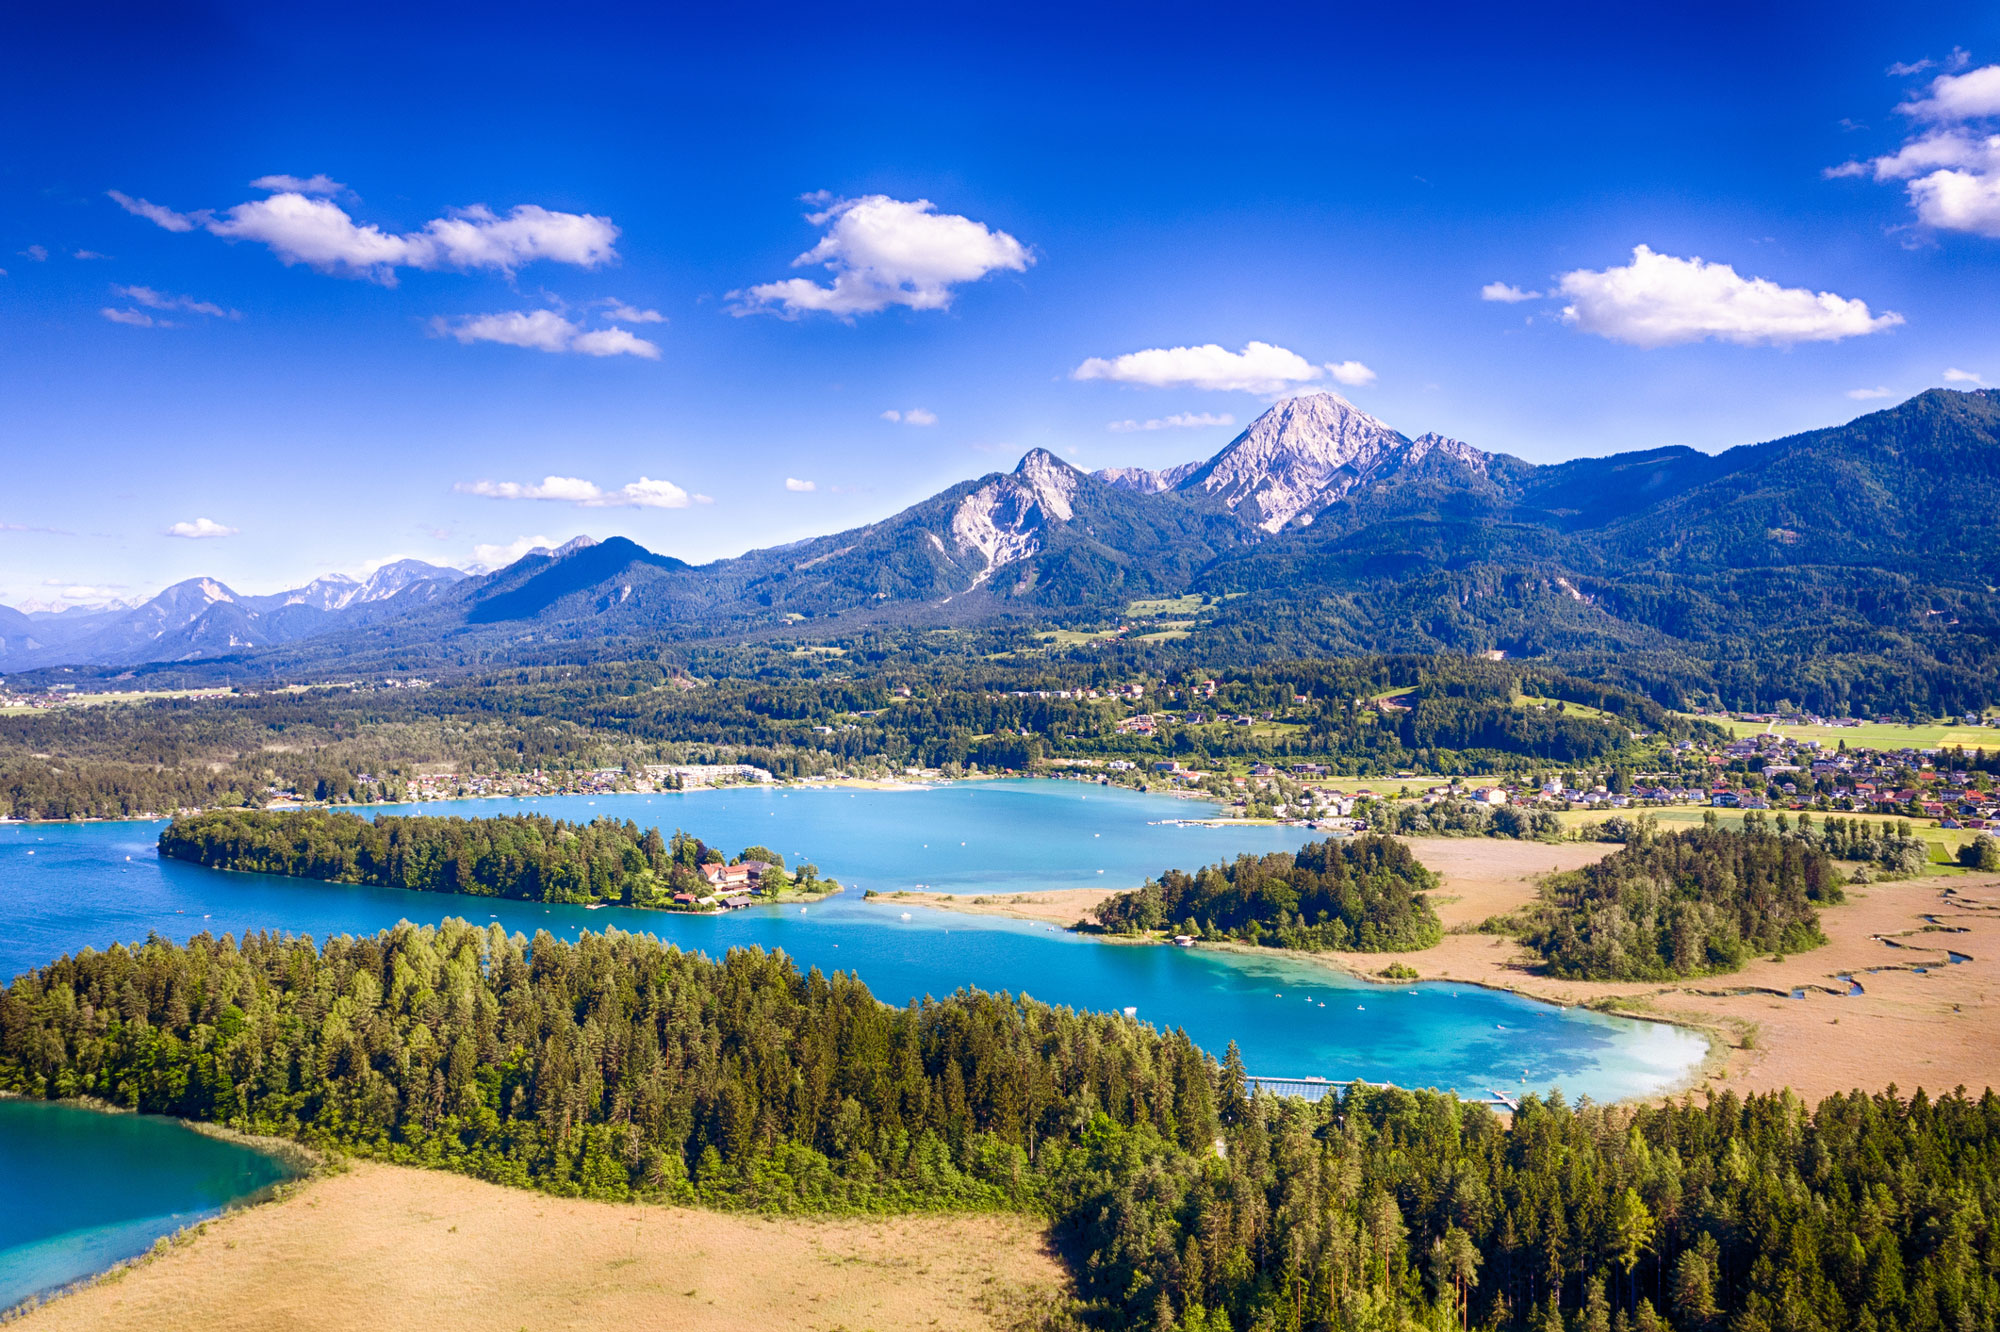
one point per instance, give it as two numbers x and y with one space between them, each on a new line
390 1248
1165 606
1922 1020
1875 735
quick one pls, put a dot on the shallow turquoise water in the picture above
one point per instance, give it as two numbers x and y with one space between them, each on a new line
81 1191
79 889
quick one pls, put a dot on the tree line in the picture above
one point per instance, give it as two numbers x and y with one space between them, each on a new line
619 1067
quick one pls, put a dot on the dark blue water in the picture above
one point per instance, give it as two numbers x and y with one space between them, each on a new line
81 1191
65 887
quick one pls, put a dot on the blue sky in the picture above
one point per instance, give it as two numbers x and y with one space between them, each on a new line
493 245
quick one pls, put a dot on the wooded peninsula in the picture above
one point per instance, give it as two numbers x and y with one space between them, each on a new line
619 1067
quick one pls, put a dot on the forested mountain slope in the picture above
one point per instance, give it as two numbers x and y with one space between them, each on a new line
1811 563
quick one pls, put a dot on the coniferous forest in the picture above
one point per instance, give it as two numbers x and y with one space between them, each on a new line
1687 903
526 856
619 1067
1362 893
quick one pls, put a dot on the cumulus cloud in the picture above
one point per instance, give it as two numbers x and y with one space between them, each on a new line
916 416
614 342
200 529
619 312
1351 373
1950 170
545 330
1957 376
1865 394
1957 97
1258 368
797 486
645 493
89 254
159 300
317 183
499 555
1659 300
301 226
157 214
1507 293
133 318
1178 421
883 252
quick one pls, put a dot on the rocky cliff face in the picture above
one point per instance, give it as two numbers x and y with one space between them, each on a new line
1004 520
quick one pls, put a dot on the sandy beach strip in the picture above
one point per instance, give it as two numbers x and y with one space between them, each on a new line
392 1248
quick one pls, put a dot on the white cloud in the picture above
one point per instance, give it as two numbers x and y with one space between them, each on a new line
614 342
133 318
797 486
1957 97
545 330
200 529
1952 170
1258 368
89 254
300 227
916 416
1351 373
1178 421
1507 293
159 300
1658 300
476 237
619 312
1957 376
157 214
1864 395
645 493
1903 69
486 558
318 183
883 252
37 253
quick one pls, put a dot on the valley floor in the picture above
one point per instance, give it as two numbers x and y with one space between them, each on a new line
1935 1028
391 1247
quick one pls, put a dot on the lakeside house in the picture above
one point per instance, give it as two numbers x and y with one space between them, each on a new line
743 875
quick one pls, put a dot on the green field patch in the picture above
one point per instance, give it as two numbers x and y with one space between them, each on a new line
1875 735
1163 606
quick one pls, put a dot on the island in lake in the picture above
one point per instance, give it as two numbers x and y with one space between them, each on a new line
523 856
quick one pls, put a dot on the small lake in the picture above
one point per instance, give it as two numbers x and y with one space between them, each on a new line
66 887
81 1190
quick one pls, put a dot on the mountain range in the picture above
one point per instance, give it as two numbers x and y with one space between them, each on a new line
1318 529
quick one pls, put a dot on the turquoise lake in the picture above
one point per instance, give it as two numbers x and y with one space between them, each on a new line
81 1191
67 887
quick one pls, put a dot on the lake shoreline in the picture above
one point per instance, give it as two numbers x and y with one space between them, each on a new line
1922 951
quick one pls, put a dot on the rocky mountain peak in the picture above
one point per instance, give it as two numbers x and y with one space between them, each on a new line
1309 451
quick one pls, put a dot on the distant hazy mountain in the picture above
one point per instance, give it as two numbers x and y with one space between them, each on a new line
1319 529
201 617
